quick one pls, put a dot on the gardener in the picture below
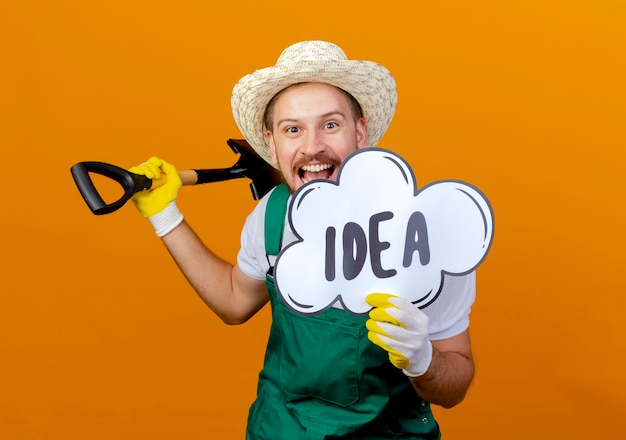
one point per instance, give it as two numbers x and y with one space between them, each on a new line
322 377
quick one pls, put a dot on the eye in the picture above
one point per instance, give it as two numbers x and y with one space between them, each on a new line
330 125
292 129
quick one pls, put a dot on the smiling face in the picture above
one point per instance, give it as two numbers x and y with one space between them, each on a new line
314 127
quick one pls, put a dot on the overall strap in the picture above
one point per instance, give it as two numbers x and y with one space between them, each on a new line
275 218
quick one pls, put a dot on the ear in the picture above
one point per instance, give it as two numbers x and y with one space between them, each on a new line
270 141
361 133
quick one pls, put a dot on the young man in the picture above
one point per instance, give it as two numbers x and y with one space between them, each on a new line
335 374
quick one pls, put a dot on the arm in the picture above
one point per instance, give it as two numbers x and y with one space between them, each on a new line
231 294
440 371
450 372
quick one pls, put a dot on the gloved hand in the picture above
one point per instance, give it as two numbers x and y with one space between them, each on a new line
159 204
401 328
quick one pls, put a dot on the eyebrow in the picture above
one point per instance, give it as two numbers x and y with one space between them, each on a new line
322 116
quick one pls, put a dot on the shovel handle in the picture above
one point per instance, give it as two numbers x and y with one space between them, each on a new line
131 183
187 177
263 176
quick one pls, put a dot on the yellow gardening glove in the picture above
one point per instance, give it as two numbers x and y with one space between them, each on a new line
401 328
153 201
159 204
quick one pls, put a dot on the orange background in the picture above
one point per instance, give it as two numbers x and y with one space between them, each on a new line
100 336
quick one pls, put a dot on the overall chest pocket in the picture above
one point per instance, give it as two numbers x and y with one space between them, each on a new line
319 357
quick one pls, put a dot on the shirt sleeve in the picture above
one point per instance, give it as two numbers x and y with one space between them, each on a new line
251 257
449 313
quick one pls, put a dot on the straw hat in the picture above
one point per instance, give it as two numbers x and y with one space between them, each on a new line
371 84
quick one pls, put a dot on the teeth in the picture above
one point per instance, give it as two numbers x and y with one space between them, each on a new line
316 168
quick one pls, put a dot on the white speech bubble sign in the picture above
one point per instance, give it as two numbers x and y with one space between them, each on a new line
373 231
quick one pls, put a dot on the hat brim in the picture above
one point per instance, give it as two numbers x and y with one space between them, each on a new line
371 84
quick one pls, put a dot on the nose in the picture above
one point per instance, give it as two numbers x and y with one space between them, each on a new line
313 144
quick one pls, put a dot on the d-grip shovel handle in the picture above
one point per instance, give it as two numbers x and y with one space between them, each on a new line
264 177
131 183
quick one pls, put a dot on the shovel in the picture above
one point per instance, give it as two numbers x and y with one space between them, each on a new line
264 177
